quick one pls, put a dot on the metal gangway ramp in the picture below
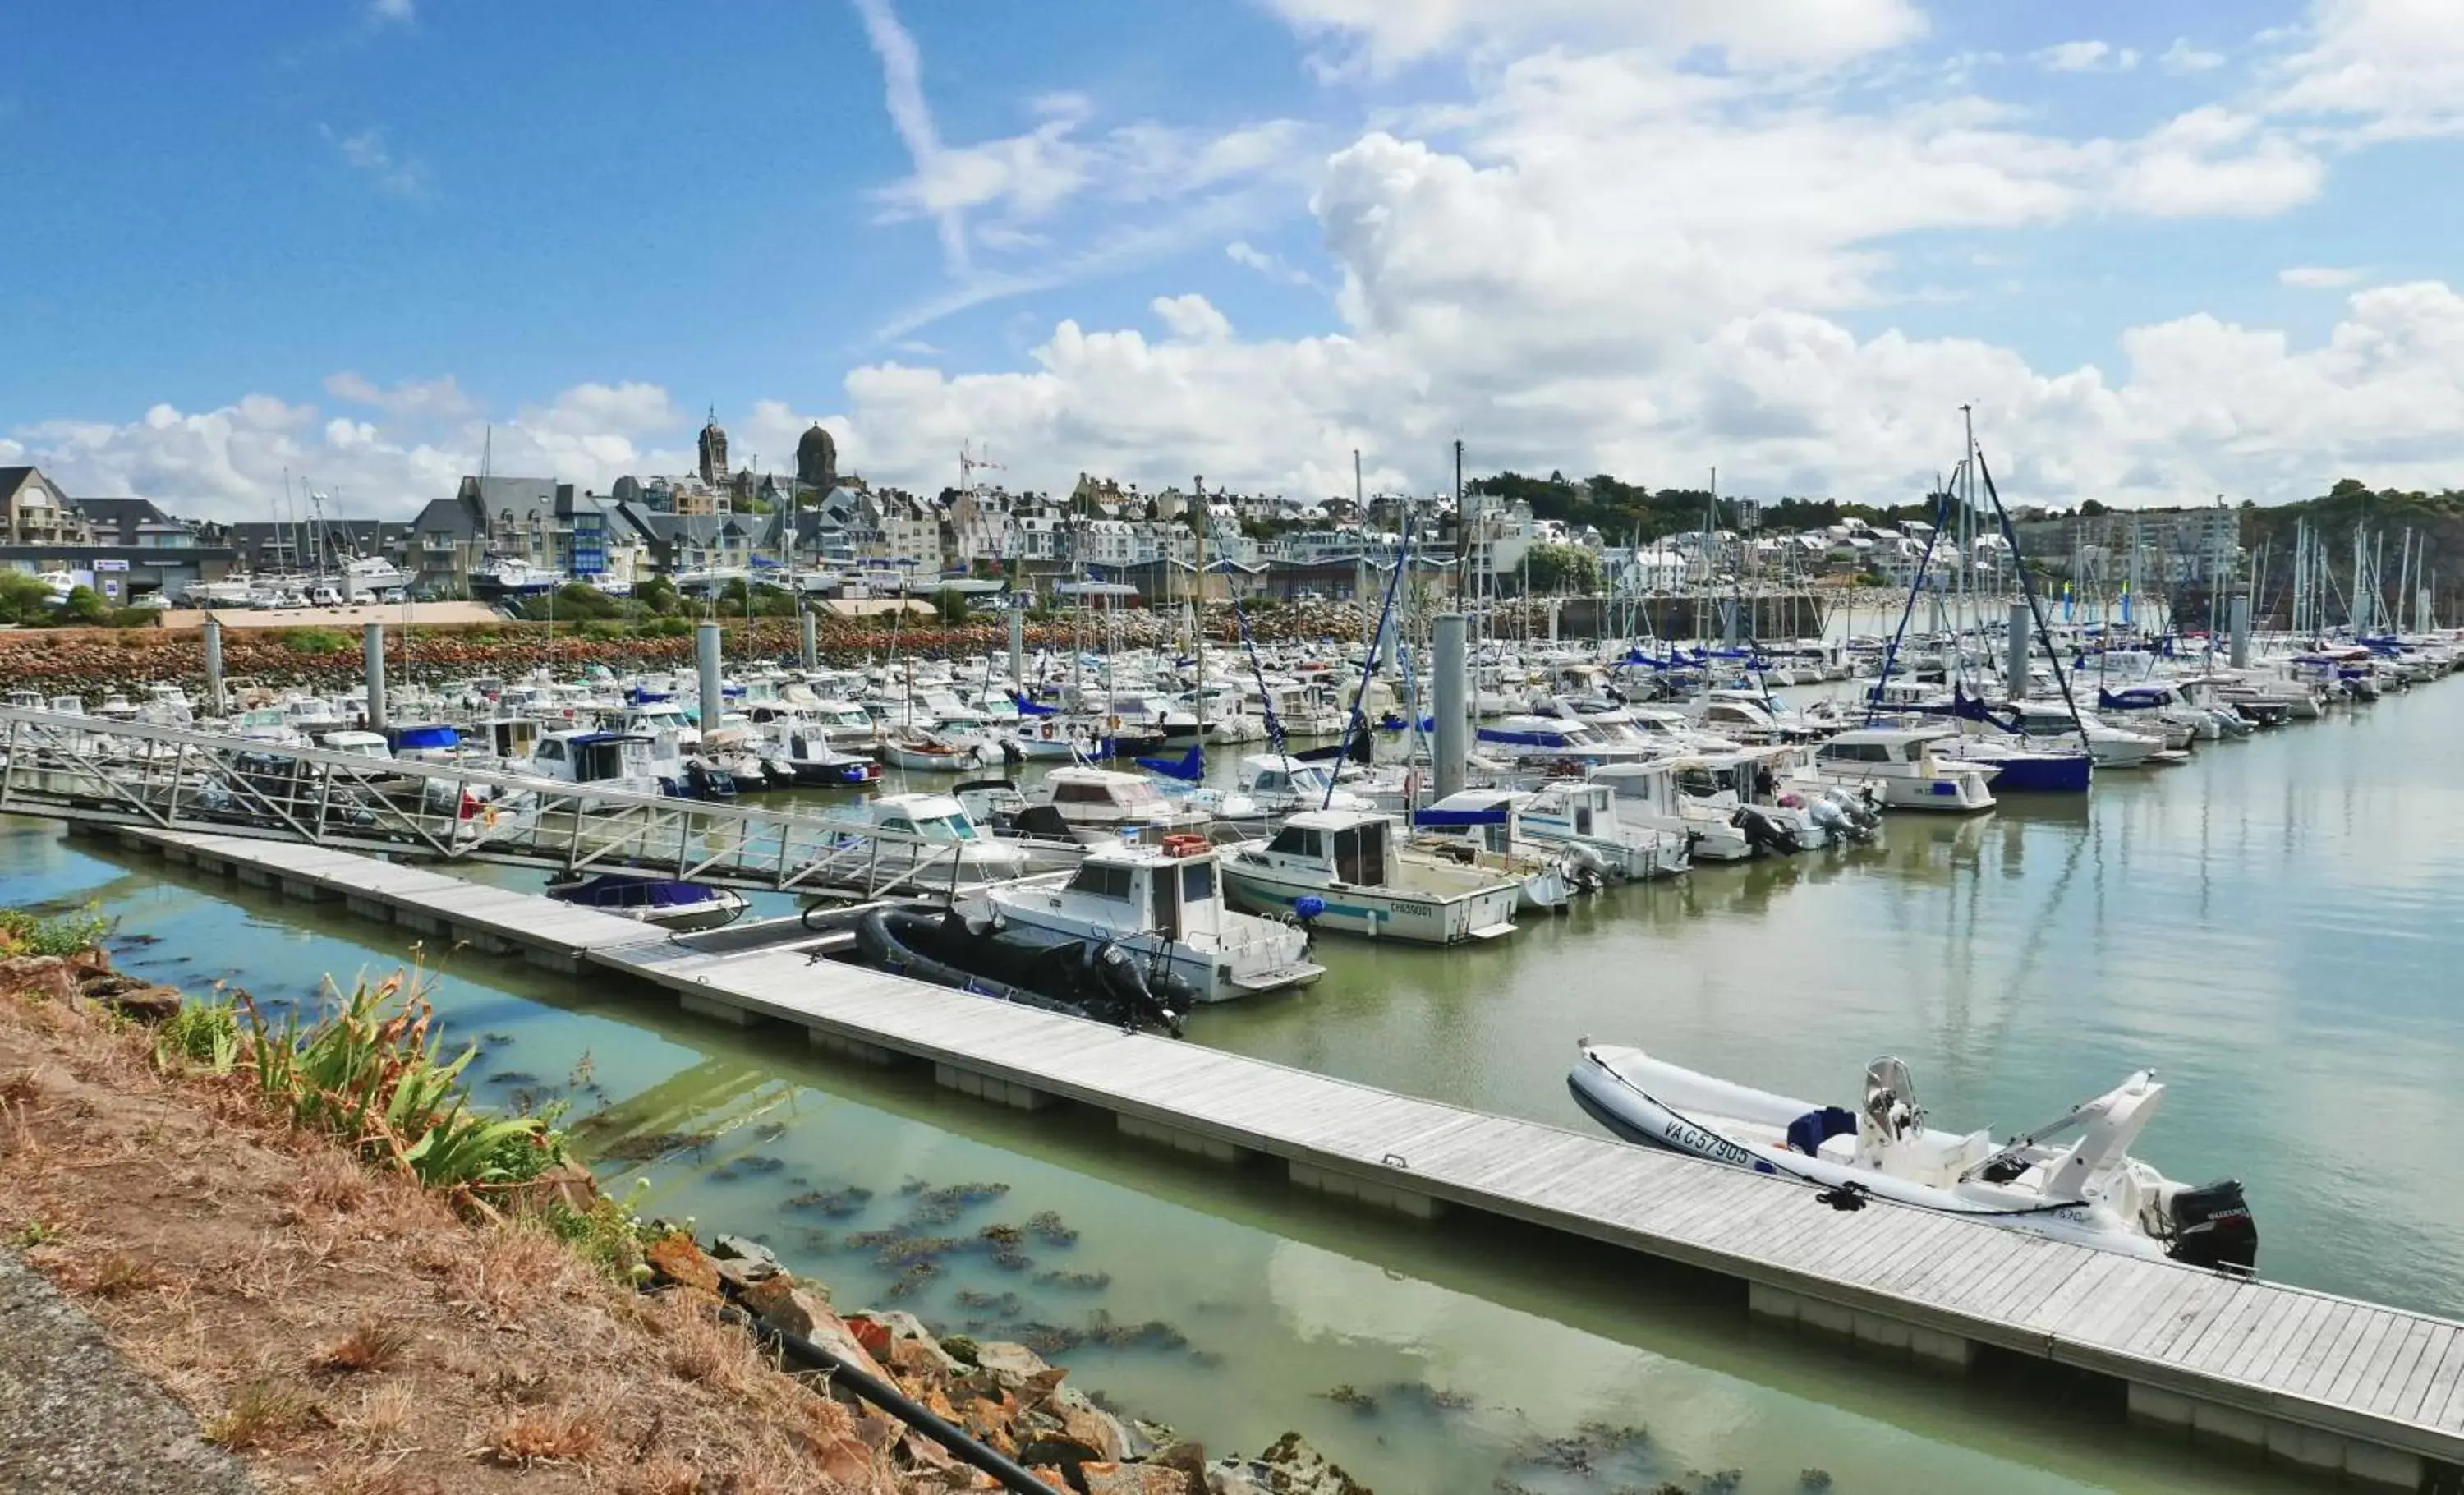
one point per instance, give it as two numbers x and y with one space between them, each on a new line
107 771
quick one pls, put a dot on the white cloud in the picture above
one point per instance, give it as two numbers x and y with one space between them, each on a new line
2394 66
2319 277
2087 57
435 399
1272 266
2212 162
1191 318
2182 57
391 13
902 78
368 153
1378 36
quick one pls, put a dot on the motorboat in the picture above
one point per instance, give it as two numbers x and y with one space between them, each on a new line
1105 804
1899 769
1344 869
1582 816
511 576
668 903
920 751
1267 787
1165 906
618 760
928 836
1483 828
2087 1191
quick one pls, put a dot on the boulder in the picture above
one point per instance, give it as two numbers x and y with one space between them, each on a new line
1009 1361
675 1259
756 1261
924 1359
787 1304
1132 1479
831 1333
1098 1430
1292 1467
1190 1459
1060 1449
39 975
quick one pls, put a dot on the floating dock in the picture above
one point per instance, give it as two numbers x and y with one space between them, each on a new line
2329 1383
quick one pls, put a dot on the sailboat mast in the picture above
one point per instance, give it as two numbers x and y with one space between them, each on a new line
1197 711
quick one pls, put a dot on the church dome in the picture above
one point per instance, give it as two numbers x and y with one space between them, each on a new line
817 457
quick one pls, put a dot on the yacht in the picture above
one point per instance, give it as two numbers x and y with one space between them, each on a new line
1344 868
931 834
511 576
1582 816
1101 803
1165 906
1898 768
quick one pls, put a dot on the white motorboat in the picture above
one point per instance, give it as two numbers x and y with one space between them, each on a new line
927 836
1344 868
1103 804
1164 904
1898 768
1483 828
919 750
2089 1191
1582 817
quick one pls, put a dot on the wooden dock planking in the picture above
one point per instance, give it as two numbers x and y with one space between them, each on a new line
2389 1377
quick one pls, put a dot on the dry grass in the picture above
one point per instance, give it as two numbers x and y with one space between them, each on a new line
373 1344
540 1435
230 1255
260 1414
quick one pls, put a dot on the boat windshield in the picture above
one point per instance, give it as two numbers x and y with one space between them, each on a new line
946 828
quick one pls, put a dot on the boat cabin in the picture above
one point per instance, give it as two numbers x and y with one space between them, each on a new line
1102 799
1872 747
1351 848
358 744
1173 891
1485 817
937 817
610 757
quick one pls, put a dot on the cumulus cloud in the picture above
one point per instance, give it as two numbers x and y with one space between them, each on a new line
2184 58
1272 266
2213 162
2319 277
2087 57
2394 68
1191 318
436 399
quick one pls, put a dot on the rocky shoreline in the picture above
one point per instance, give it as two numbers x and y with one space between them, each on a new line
1000 1393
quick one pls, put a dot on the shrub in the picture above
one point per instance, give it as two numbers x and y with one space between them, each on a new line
200 1032
370 1075
314 640
24 933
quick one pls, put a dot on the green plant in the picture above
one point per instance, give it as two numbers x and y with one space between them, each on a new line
200 1032
369 1074
33 1233
610 1233
27 934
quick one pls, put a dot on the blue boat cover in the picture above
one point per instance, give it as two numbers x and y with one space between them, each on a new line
1188 768
1808 1132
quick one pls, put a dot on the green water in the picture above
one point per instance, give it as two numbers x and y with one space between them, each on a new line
2265 926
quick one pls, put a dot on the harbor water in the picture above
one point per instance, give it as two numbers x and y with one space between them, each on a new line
2263 926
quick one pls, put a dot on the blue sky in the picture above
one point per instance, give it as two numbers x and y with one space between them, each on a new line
1238 238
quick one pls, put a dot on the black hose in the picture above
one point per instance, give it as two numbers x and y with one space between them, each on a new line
810 1356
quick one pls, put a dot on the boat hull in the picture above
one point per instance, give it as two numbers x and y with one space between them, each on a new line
1377 914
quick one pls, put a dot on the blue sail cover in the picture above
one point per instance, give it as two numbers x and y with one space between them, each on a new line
1188 768
1027 708
433 735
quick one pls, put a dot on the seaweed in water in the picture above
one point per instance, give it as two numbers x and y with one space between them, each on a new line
1433 1397
521 1077
648 1145
1005 1305
1075 1281
832 1203
760 1163
496 1040
1152 1334
1046 1226
1813 1480
770 1131
1010 1259
1002 1234
872 1239
724 1173
916 1248
914 1185
1361 1403
915 1279
814 1241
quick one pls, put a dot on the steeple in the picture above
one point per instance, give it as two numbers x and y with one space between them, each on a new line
714 450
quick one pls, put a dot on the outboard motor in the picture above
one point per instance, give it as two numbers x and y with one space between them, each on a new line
1765 834
2212 1228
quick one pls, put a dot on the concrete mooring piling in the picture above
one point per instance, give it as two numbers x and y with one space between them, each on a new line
1452 705
372 650
2023 633
714 693
1017 646
809 625
215 701
2241 630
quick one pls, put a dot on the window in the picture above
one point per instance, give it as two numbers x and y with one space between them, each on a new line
1293 840
1197 883
1080 794
551 751
899 823
1102 880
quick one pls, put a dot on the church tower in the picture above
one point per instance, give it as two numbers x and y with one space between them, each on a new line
817 460
714 451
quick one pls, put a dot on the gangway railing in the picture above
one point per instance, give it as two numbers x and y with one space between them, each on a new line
130 773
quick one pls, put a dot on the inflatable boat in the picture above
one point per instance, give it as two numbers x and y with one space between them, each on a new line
2087 1191
1096 979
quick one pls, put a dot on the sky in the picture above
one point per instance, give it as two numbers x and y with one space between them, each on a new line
2165 250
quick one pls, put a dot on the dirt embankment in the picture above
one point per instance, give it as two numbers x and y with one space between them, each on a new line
341 1329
